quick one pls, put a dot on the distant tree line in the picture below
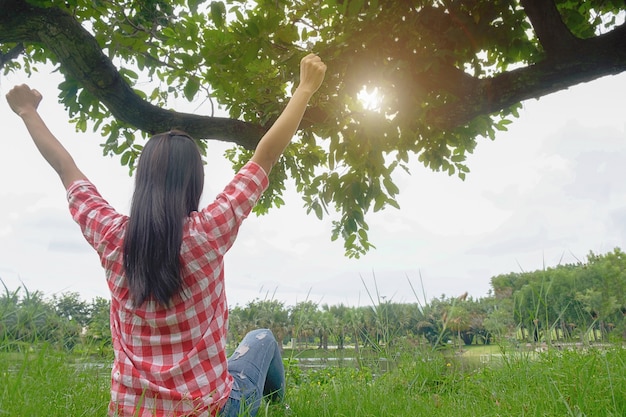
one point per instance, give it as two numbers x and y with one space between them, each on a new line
64 321
584 302
581 301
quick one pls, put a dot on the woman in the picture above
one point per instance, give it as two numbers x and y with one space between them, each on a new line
164 268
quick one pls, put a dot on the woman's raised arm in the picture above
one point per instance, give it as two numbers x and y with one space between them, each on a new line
24 102
276 139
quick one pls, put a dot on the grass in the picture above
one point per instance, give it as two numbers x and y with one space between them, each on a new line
51 383
555 383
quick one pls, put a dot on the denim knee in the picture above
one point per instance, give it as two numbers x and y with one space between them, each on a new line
257 332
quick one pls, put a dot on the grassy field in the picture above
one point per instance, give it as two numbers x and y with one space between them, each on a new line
49 383
555 383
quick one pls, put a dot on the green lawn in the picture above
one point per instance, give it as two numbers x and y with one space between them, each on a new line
421 383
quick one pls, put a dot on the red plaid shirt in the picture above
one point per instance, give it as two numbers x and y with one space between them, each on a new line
171 361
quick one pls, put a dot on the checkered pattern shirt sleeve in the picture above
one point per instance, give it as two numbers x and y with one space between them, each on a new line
171 361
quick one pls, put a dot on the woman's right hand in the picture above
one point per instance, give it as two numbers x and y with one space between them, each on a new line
312 71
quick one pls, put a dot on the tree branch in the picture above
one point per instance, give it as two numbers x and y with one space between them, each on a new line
82 58
11 54
552 33
591 59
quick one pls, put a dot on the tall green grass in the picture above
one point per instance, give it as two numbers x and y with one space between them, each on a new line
51 383
555 383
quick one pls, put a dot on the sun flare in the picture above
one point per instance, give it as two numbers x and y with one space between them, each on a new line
370 99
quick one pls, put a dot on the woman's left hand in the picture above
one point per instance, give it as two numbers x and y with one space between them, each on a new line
23 99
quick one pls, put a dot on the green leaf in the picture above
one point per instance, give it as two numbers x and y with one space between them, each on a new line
121 148
350 226
354 7
318 210
392 189
169 32
218 13
379 202
278 201
128 73
253 29
81 125
191 88
457 158
193 5
350 241
393 203
126 158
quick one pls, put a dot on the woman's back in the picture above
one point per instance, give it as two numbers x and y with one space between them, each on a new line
171 357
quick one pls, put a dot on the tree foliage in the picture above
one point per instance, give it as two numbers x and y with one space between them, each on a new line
446 73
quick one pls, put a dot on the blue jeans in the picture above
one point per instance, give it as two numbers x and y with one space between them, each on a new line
257 370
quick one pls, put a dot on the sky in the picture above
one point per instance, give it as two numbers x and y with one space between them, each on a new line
547 192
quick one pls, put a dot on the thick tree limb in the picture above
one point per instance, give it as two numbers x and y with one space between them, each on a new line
82 58
552 33
591 59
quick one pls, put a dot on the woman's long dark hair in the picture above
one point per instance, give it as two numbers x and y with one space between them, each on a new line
168 185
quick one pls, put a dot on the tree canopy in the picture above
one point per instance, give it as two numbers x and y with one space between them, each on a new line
444 74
